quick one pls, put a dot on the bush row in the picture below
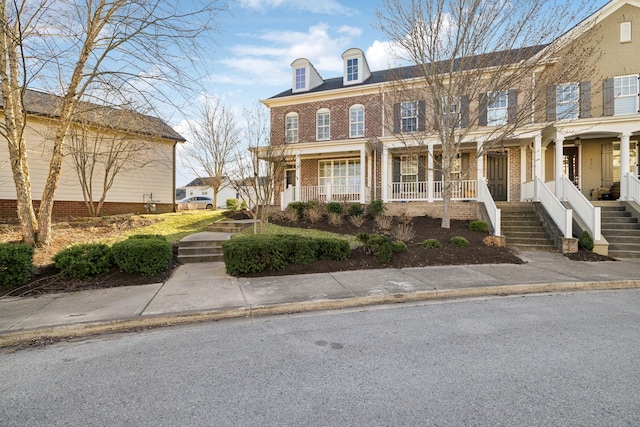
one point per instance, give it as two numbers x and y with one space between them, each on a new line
256 253
374 210
381 246
146 254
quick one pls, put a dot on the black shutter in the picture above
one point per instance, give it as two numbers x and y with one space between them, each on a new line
422 115
585 100
396 118
512 106
482 119
607 94
464 111
422 176
551 104
437 114
437 168
396 169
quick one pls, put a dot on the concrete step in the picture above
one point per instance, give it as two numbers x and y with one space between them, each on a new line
200 250
185 259
229 226
620 226
527 234
624 254
624 238
518 241
618 220
535 248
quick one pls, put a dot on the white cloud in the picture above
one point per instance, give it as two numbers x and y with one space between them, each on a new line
328 7
383 55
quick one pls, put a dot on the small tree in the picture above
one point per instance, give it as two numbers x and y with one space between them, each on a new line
468 54
255 179
214 139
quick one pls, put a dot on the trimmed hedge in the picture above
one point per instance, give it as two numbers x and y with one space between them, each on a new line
459 241
376 208
478 225
355 209
586 241
255 253
147 254
432 243
84 260
335 207
16 264
381 246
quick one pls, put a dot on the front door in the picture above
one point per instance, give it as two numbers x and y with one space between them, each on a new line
570 164
290 178
497 177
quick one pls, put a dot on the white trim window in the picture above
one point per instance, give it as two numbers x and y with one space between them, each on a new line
625 32
567 101
409 116
342 174
497 108
409 169
451 111
352 70
323 122
625 95
301 78
356 121
291 128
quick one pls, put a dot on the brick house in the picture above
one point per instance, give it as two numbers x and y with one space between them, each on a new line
348 138
149 185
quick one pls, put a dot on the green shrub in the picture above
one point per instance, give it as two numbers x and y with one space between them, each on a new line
478 225
148 236
381 246
355 209
299 207
16 264
83 261
376 208
431 243
145 254
233 204
586 241
335 208
459 241
256 253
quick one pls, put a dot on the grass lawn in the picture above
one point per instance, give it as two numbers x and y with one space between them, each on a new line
176 225
307 232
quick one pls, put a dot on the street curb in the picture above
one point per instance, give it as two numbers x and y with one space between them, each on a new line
58 333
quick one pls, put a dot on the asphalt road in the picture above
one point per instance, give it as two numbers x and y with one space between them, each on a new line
569 359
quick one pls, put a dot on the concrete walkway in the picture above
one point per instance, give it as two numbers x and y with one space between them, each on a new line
201 292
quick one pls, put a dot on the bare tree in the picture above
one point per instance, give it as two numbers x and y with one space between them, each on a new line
100 154
130 47
255 179
470 54
214 139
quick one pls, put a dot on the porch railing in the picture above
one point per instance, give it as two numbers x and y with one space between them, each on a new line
419 191
328 193
484 196
633 186
537 191
589 214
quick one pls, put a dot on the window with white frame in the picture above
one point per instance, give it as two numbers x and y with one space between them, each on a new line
625 32
301 78
408 170
497 108
625 95
291 128
567 101
352 69
342 174
323 120
409 116
451 110
356 121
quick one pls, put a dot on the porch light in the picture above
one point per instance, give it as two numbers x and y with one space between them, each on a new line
577 141
502 152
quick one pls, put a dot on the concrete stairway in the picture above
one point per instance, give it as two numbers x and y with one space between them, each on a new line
620 228
523 228
207 245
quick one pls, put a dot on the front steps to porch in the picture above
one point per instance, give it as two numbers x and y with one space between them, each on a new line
207 245
523 228
620 228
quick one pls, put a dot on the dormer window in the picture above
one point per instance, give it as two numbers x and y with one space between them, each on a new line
301 78
356 69
305 77
352 69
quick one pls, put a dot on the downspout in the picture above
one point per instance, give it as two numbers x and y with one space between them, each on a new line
173 196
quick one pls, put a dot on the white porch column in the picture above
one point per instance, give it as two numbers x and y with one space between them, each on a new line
558 167
537 157
624 166
298 191
523 164
430 172
385 175
480 160
363 159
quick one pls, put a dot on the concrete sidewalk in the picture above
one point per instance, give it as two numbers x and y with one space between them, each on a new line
199 292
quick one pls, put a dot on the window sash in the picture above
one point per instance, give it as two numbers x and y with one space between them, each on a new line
356 122
300 78
352 69
497 108
625 92
323 120
409 116
339 172
291 129
567 101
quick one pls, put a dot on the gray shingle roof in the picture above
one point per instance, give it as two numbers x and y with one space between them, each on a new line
46 104
486 60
